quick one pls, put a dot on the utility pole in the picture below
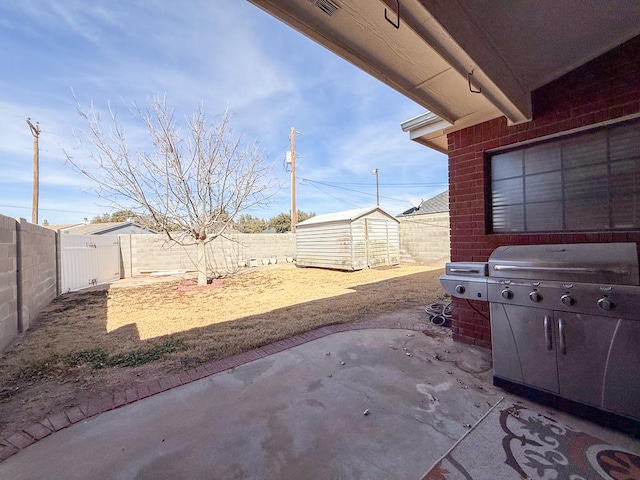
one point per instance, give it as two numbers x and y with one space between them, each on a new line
294 210
35 132
375 172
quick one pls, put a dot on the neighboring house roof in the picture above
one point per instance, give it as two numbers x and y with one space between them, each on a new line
437 204
62 226
347 215
106 228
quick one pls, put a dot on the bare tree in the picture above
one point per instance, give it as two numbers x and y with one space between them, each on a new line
191 182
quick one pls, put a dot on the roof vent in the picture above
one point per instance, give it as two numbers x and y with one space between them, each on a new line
327 6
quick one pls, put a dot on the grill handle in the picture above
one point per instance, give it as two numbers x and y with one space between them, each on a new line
464 270
547 332
563 345
584 270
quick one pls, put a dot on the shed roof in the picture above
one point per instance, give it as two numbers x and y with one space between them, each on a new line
347 215
437 204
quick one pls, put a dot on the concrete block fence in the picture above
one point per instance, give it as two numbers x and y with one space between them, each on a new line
30 260
28 274
142 253
424 239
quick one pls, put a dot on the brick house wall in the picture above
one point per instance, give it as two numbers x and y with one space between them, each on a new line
603 89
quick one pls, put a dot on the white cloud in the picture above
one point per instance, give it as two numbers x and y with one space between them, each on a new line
223 54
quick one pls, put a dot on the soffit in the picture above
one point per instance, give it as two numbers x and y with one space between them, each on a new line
510 47
536 41
401 58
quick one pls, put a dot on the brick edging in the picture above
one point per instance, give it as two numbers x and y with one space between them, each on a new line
29 435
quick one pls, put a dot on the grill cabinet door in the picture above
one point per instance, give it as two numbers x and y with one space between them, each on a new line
583 348
622 378
524 345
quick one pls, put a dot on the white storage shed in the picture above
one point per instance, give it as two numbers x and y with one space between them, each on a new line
349 240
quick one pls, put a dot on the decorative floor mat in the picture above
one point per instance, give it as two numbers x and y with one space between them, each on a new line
513 442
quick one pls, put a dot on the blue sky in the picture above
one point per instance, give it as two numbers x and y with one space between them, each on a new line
222 54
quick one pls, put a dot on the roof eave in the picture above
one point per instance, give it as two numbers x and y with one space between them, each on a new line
443 90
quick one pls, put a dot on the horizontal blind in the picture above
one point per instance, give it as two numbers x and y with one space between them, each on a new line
590 181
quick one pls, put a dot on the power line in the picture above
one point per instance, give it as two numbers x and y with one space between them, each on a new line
356 191
435 184
355 201
351 204
50 209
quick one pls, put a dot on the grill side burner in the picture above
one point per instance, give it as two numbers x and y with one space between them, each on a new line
565 325
466 280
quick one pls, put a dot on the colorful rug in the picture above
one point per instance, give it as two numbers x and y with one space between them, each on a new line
513 442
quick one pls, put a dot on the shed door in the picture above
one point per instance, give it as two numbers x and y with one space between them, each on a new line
88 260
383 247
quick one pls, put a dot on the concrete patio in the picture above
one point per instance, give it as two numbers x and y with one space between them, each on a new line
299 413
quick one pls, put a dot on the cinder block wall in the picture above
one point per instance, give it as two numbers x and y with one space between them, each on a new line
38 269
424 239
156 252
28 275
8 281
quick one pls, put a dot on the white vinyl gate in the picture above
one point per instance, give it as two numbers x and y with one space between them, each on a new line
88 260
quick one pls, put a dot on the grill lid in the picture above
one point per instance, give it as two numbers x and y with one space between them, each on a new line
607 263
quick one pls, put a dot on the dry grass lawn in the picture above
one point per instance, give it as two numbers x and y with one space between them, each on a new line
96 342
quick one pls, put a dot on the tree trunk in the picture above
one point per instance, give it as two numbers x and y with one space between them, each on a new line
202 263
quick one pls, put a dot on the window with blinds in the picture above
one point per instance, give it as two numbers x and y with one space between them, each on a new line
589 181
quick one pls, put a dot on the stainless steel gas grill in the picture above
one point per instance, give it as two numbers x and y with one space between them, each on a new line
565 324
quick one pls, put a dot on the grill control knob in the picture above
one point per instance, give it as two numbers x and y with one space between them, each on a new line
460 289
506 293
567 299
606 304
535 296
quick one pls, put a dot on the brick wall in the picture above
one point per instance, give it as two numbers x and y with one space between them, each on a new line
604 89
424 239
156 252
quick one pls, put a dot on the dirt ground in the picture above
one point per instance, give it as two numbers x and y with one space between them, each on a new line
96 342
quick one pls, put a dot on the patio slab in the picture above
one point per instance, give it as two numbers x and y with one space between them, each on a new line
295 414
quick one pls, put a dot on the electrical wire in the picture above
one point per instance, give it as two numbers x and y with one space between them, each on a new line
351 204
354 202
403 202
50 209
364 197
476 310
390 184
